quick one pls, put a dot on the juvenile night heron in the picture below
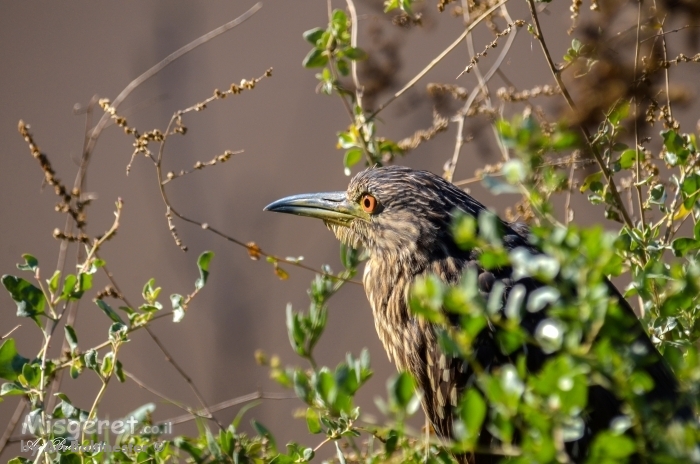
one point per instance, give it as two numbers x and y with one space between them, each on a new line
402 217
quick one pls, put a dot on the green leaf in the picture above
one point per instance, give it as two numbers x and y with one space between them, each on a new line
19 460
681 246
84 284
540 298
67 408
68 287
355 53
352 157
109 311
691 189
494 259
30 263
75 370
71 337
390 5
91 359
203 265
490 227
54 281
11 389
590 180
514 171
32 374
576 45
141 414
263 431
549 333
349 257
119 372
312 421
312 35
308 454
426 298
464 231
343 67
564 140
178 308
607 446
239 416
315 59
11 363
472 412
117 332
629 157
213 446
401 389
107 364
297 335
346 140
657 194
150 292
672 140
339 21
30 300
301 386
326 387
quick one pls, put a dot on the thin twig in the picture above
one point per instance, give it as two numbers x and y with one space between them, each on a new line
10 332
184 375
472 53
437 59
666 68
353 44
568 212
637 184
318 447
662 33
107 235
230 403
206 412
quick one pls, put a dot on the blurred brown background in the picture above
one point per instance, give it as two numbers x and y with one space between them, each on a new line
56 55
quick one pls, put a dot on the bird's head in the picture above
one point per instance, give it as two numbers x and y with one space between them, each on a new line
389 210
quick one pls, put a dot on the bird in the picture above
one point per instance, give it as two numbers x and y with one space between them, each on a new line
403 217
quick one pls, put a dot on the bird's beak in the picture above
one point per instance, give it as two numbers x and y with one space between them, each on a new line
331 207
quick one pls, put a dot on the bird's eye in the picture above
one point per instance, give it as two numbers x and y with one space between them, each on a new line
369 203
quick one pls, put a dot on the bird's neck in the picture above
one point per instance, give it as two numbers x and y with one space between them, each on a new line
387 286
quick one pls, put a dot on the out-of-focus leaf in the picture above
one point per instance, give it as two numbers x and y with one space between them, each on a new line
203 265
11 363
29 299
30 263
109 311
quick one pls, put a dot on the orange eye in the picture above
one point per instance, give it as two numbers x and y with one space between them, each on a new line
369 203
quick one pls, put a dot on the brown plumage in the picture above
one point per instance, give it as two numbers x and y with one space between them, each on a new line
402 217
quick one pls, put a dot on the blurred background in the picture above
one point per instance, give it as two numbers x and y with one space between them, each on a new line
55 56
